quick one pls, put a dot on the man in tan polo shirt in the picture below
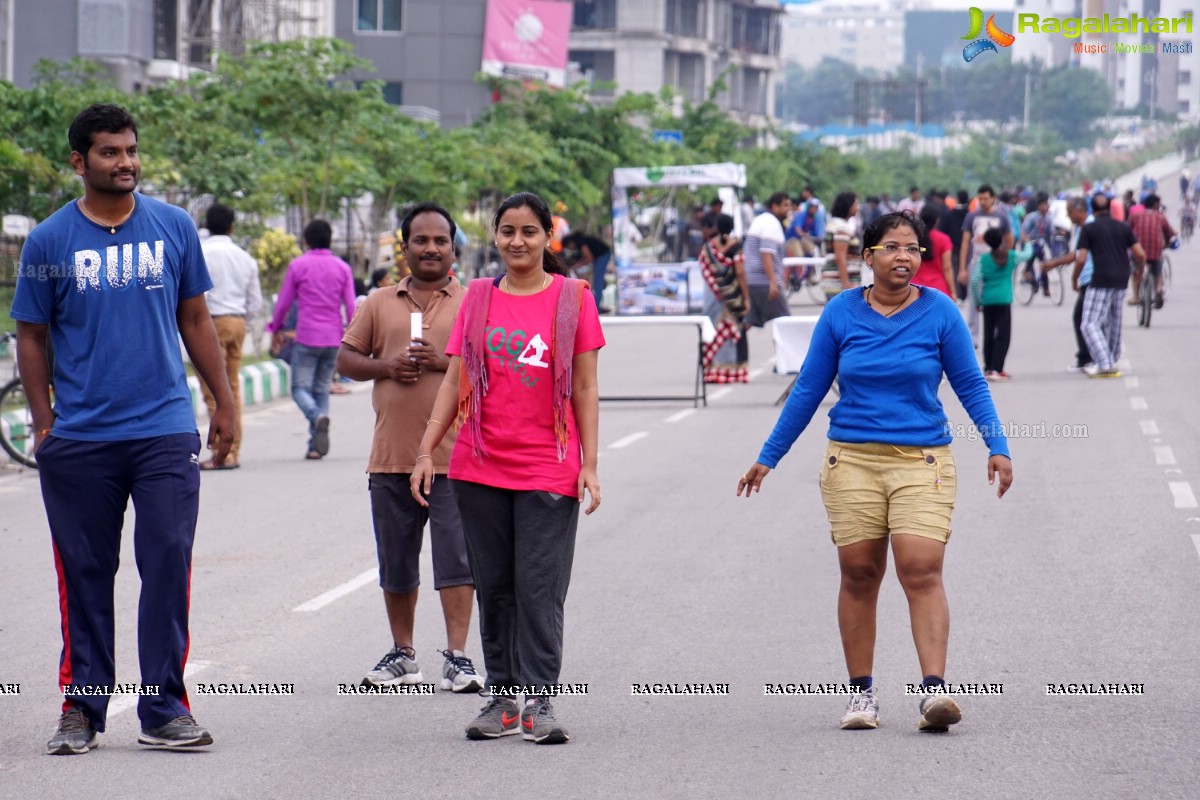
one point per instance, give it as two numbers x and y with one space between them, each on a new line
407 367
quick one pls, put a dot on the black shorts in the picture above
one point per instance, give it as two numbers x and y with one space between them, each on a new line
400 528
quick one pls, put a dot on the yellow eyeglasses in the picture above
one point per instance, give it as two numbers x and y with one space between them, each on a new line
891 248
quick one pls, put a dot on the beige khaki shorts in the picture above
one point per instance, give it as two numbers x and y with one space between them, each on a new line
872 490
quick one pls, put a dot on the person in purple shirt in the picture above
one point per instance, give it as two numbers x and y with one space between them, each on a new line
320 284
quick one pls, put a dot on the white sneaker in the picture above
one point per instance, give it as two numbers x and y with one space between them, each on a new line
938 713
397 667
1091 369
458 673
1077 369
862 713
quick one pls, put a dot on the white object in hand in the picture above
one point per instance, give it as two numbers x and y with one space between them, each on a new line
415 331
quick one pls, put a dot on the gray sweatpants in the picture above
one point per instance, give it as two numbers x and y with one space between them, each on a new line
521 546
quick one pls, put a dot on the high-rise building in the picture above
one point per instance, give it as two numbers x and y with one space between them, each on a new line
1140 70
425 52
6 34
688 45
143 41
868 34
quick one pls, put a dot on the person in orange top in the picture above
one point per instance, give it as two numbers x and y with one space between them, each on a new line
561 227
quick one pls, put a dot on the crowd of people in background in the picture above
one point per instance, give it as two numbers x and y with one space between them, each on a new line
748 280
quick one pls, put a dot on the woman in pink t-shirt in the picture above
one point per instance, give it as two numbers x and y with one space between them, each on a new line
935 271
523 379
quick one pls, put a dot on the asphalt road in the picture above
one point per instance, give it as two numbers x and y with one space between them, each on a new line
1089 571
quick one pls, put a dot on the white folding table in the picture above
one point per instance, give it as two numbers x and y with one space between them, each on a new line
791 336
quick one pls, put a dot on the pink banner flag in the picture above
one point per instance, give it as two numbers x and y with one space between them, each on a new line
527 39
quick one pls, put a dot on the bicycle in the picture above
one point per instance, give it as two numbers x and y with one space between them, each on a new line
17 434
807 277
1028 281
1149 297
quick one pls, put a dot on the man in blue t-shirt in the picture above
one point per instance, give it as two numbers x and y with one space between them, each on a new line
114 280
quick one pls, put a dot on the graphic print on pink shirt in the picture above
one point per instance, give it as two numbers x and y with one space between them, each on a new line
517 419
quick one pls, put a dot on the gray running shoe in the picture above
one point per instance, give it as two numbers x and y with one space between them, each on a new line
320 442
398 666
862 713
539 726
938 713
179 732
75 735
458 673
500 717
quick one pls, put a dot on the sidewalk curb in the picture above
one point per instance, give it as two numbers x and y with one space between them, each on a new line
261 383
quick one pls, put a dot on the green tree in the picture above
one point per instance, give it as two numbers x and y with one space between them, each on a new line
199 144
1069 100
36 122
1188 140
794 165
292 97
818 95
564 145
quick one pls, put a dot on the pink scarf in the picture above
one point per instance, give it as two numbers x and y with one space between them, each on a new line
472 379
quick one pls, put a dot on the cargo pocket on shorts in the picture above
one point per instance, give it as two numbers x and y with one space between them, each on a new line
829 468
943 473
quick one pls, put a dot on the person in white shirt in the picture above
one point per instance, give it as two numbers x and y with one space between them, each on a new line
236 296
914 202
762 255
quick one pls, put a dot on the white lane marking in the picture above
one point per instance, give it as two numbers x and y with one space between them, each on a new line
337 592
1164 457
1138 403
124 702
628 440
1131 383
719 393
1149 427
755 373
1184 496
681 415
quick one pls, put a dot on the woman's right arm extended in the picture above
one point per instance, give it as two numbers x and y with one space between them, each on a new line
816 377
445 409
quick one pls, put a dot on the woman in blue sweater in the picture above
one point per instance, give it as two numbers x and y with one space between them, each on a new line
888 474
